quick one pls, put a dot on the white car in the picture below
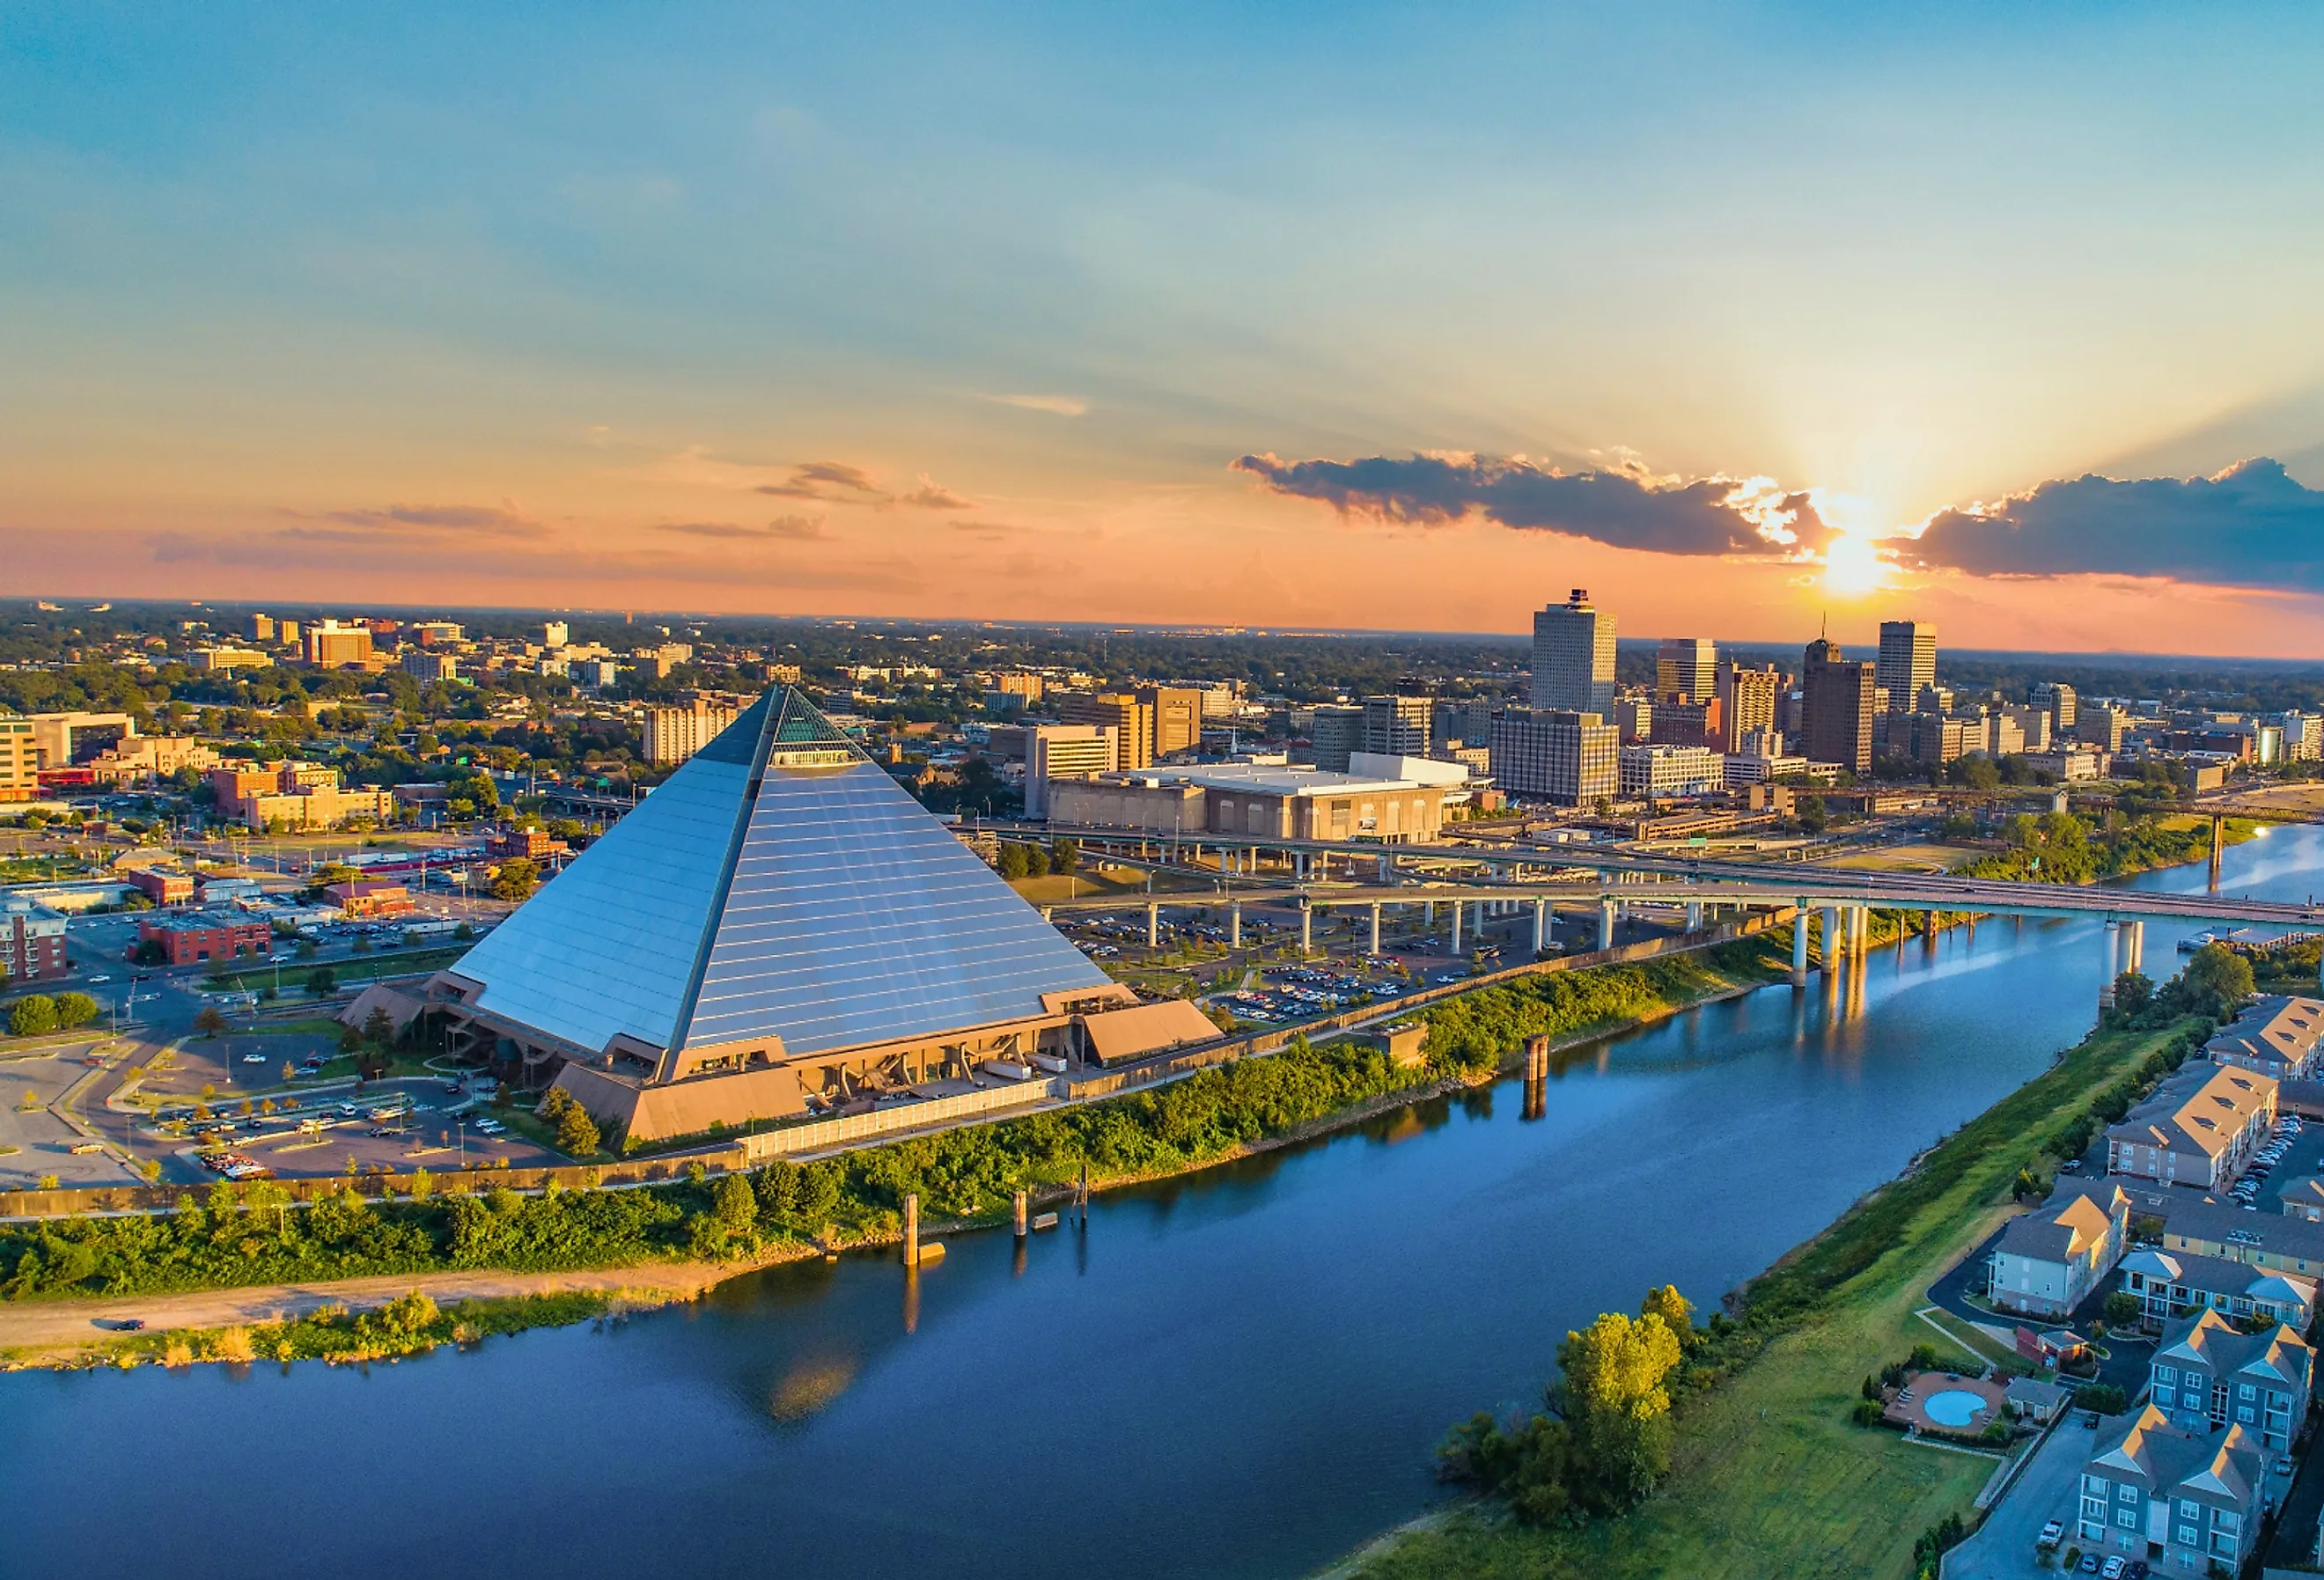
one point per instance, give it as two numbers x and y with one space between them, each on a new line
254 1059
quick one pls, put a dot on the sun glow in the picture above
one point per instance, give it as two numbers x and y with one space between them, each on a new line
1853 566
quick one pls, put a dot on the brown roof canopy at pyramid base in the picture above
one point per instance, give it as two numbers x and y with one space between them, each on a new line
779 929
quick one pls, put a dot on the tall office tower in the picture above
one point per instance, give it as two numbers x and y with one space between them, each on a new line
1336 734
1467 719
1686 666
1568 758
262 628
554 633
1054 752
2101 727
2057 699
1398 726
1908 661
1178 717
1837 707
1574 657
1747 700
1634 717
1132 722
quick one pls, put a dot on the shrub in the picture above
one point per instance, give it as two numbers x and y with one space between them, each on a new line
32 1014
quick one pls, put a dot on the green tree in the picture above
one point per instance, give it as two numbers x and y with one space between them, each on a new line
209 1022
1675 1310
75 1008
1065 856
1615 1402
2133 992
1013 864
517 879
736 1206
379 1027
32 1014
2122 1309
1809 811
576 1133
322 981
2217 979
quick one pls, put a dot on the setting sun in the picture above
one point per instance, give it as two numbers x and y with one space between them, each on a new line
1853 566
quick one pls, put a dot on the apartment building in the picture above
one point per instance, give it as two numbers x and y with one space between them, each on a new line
20 760
1657 769
329 644
292 795
2276 1036
2209 1374
32 940
2047 1262
2199 1127
1132 720
425 664
2180 1283
673 735
2178 1498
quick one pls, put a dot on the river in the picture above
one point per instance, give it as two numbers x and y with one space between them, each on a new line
1237 1373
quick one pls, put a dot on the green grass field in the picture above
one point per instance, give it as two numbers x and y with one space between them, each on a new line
1771 1479
354 968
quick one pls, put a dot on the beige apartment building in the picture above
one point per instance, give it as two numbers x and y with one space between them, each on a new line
20 760
329 645
2199 1127
1248 801
673 735
1064 752
1132 720
293 795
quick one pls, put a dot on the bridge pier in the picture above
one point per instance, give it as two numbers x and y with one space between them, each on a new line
1694 916
1153 926
1607 911
1540 925
1306 929
1376 911
2218 842
1830 938
1455 908
1861 943
1235 924
2113 964
2133 938
1800 947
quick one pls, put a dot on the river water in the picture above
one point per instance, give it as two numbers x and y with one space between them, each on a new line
1239 1373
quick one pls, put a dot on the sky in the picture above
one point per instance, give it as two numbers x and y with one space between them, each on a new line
1744 317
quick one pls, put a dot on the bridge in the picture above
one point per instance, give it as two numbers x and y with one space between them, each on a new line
1516 877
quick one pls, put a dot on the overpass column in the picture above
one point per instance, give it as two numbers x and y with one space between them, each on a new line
1694 916
2113 963
1606 924
1800 947
1540 925
1861 943
1235 924
2135 938
1455 908
1830 937
1376 911
1306 929
1153 926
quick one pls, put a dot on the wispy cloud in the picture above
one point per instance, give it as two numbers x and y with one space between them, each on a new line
1625 506
2251 525
793 528
812 479
931 496
506 518
1054 405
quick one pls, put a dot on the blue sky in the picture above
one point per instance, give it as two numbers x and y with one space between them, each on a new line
609 270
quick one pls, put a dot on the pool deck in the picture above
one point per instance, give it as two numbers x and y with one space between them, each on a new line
1909 1408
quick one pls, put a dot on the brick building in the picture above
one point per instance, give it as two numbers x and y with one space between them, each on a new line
189 937
32 940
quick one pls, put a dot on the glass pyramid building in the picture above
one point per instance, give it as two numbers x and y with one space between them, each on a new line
780 910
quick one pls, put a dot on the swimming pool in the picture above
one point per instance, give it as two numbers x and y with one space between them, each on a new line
1955 1407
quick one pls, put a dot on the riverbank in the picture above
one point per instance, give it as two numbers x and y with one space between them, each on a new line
1769 1475
793 1211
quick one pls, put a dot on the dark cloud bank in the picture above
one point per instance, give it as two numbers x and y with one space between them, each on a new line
2251 525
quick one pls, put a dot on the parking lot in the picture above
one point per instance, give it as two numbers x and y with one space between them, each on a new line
2050 1487
35 1142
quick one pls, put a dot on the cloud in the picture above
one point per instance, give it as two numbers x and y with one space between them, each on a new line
808 480
2251 525
930 495
991 532
794 529
1626 506
505 519
1054 405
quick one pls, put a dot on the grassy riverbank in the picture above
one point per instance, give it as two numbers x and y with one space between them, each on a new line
252 1236
1770 1477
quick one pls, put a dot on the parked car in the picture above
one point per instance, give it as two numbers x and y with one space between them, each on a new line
2113 1568
2051 1535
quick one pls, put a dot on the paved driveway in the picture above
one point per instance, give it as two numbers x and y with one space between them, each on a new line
2048 1489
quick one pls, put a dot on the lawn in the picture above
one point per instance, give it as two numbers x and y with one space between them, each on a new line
354 968
1770 1476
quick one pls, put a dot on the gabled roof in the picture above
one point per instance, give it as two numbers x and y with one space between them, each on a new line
779 885
2209 1274
2173 1460
2077 1217
2208 1339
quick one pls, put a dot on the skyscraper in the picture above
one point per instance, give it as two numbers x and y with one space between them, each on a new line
1686 666
1908 662
1574 657
1568 758
1337 732
1398 726
1747 700
1836 702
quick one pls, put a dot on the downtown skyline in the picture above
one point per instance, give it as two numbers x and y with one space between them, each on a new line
1352 320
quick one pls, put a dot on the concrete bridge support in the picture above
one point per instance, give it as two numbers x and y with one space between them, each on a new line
1376 911
1695 916
1800 948
1830 938
2113 964
2133 941
1235 924
1153 927
1860 945
1607 911
1455 908
1306 929
1540 925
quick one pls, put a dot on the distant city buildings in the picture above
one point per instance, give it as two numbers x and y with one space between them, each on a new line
1686 667
20 759
1064 751
32 940
1574 657
1131 720
1399 727
1569 758
292 795
329 645
1836 702
1907 662
673 734
1334 734
1657 770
